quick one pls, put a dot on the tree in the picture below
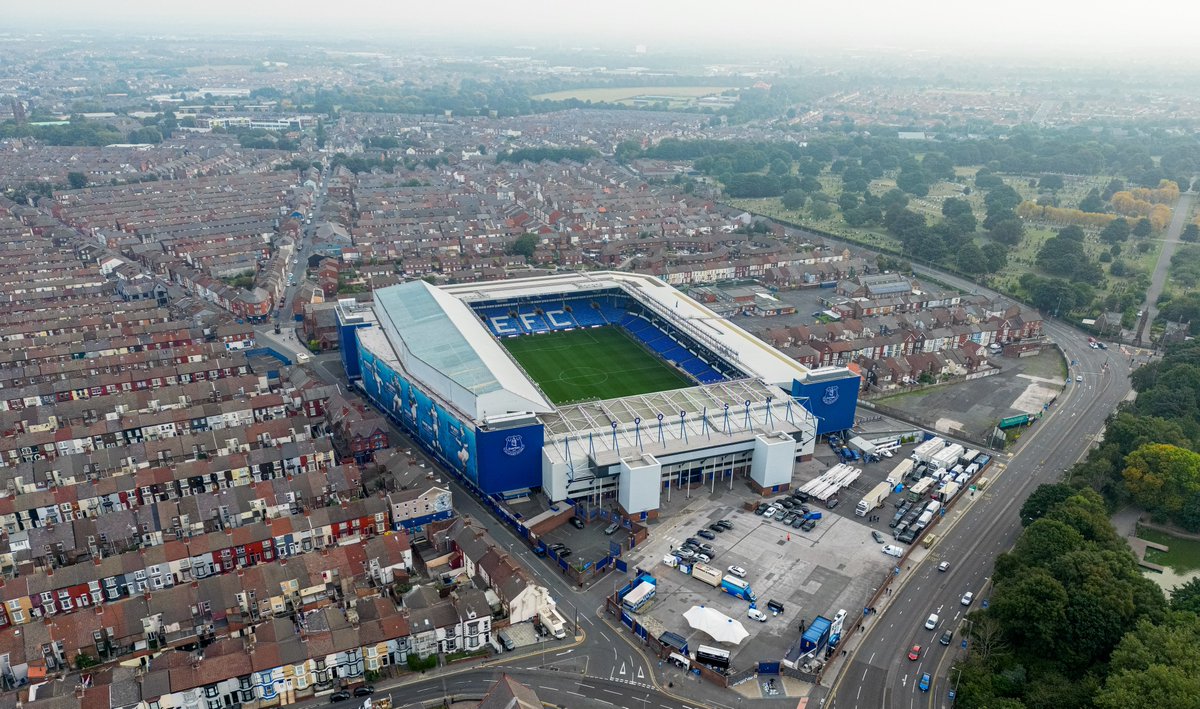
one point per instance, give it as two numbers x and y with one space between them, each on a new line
1092 202
794 199
1008 231
1043 500
1154 666
1051 182
1187 597
525 245
1162 478
1142 229
820 210
1117 231
996 256
1191 233
77 180
893 199
971 260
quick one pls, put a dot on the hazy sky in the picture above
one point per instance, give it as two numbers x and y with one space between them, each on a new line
1089 27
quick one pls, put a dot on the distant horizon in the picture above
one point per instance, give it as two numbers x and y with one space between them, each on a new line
1021 30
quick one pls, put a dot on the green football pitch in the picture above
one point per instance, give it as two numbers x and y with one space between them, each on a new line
597 363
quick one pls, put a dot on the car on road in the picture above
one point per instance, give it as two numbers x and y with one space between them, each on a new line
877 537
914 653
944 566
706 534
339 696
577 523
737 571
1079 377
967 598
946 637
924 683
808 525
364 691
756 614
931 622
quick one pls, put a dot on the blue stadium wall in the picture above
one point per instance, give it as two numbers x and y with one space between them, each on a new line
494 461
832 400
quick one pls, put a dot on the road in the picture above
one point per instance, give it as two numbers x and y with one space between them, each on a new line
1158 280
878 673
559 688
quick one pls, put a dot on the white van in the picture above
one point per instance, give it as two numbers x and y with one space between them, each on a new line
931 622
893 550
303 357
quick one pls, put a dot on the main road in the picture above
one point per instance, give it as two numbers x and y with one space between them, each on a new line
878 672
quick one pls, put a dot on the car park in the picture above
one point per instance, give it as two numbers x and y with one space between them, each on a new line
877 537
577 523
946 637
756 614
737 571
931 622
924 683
967 598
706 534
944 566
914 654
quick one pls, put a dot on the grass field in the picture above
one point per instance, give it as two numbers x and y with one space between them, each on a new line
598 363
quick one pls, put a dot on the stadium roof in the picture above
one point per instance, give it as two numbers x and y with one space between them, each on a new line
739 347
430 329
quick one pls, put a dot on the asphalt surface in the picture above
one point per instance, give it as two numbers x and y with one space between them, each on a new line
878 673
1158 280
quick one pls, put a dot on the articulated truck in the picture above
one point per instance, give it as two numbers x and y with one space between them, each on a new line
873 499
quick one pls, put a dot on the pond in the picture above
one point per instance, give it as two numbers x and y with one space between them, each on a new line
1182 562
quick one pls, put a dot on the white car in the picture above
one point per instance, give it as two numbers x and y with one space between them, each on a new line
737 571
893 550
771 512
967 598
1079 377
931 622
703 557
758 615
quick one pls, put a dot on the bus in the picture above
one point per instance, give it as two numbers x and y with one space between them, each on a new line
713 657
919 489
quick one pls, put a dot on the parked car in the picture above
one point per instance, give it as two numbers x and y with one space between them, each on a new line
915 653
762 508
809 525
694 542
946 637
771 512
684 553
893 550
737 571
703 557
967 598
718 528
364 691
877 537
758 615
564 553
339 696
707 548
556 546
798 523
577 523
706 534
612 528
725 523
787 502
789 517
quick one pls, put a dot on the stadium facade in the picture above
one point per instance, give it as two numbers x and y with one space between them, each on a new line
433 359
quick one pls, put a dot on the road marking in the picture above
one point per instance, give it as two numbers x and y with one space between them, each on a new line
640 674
622 668
602 689
575 693
564 652
606 638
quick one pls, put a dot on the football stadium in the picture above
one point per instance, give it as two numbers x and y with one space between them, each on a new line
603 386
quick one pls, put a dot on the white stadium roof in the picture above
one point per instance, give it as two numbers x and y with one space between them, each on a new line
438 338
751 354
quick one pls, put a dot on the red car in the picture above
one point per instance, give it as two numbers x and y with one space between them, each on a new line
915 653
